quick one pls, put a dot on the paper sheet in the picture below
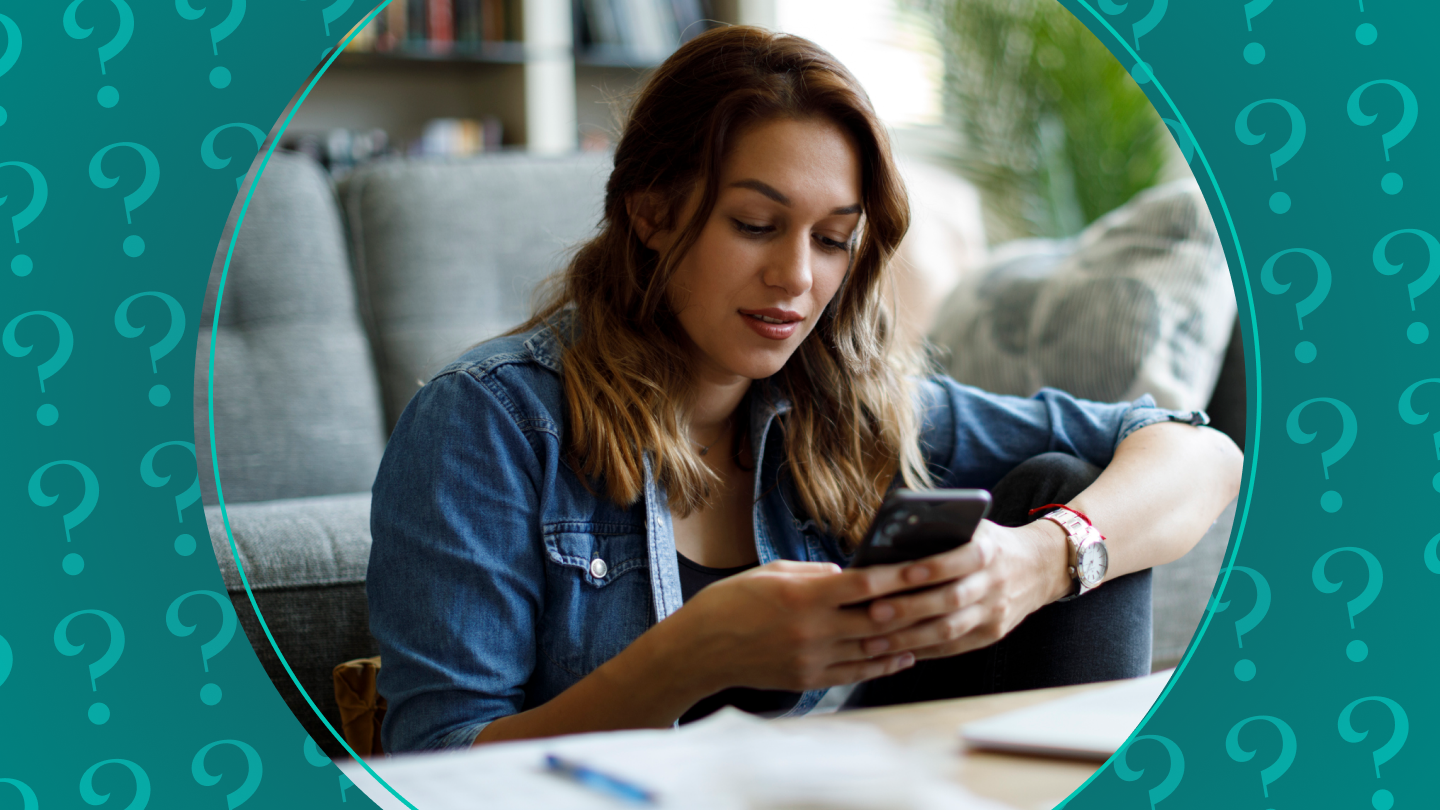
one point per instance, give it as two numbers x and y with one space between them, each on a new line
728 761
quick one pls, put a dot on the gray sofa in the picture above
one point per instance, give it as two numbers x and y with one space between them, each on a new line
338 304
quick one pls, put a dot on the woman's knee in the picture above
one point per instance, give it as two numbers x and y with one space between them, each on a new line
1046 478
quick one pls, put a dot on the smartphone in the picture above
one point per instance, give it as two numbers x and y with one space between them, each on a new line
915 524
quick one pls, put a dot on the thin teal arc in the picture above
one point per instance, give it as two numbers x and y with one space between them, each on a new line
1253 452
210 403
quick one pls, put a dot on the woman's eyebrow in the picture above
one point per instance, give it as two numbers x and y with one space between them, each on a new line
772 193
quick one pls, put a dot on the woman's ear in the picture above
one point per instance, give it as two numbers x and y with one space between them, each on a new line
643 209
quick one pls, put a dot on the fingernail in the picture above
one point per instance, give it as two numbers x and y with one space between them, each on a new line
875 646
908 659
882 613
918 574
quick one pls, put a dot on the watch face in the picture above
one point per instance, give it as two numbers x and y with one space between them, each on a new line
1093 562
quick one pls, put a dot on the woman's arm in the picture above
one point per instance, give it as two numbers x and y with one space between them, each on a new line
646 686
779 626
1166 484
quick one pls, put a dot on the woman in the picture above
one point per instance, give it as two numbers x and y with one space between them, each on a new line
635 507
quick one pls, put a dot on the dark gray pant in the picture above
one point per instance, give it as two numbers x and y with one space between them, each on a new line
1103 635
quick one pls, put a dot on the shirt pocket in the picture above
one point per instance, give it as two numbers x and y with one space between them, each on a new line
597 593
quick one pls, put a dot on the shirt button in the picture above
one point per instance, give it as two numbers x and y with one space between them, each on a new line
598 568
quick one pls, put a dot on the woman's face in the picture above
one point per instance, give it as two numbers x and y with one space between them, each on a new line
774 250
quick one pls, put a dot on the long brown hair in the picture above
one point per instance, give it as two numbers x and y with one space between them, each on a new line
853 424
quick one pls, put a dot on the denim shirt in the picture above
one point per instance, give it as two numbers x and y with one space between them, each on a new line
497 581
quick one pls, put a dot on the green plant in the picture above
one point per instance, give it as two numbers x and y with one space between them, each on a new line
1055 132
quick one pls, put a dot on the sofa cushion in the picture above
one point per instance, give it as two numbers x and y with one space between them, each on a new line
1140 302
297 404
447 252
305 560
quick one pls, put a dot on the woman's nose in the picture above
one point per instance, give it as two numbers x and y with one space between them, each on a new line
788 267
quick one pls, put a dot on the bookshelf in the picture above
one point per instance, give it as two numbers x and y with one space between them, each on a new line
540 73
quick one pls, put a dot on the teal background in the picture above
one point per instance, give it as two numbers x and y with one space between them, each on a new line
106 422
1302 674
132 570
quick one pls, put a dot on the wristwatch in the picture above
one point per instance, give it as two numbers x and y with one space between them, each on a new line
1088 557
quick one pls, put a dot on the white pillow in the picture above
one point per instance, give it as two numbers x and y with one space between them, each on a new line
1140 302
945 243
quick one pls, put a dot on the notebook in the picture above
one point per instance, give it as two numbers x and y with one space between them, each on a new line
1092 725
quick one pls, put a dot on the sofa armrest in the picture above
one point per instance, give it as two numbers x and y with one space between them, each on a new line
305 560
1181 590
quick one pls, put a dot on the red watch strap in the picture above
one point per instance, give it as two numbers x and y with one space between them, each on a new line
1069 509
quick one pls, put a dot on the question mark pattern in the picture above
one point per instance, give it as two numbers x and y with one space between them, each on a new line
1381 799
1254 52
1279 201
159 395
1391 183
141 797
214 161
13 44
219 76
46 414
73 563
1226 108
133 245
84 647
21 264
1375 579
316 757
1245 668
1331 500
1305 351
107 96
254 771
98 713
210 693
1326 356
1417 332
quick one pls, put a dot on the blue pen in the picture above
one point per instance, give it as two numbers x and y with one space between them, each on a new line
598 781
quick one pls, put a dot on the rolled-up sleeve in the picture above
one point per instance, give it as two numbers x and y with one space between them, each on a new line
971 438
456 573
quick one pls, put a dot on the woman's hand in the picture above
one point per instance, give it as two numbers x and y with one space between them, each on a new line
784 625
983 589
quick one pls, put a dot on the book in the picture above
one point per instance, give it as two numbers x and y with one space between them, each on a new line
395 18
468 22
440 24
492 14
415 31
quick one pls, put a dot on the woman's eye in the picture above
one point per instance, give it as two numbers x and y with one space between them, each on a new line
756 231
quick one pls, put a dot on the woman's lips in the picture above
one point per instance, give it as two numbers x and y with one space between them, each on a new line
772 331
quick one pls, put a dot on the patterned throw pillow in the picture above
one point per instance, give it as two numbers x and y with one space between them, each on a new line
1140 302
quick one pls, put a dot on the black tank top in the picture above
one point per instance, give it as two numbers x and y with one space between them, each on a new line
764 702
